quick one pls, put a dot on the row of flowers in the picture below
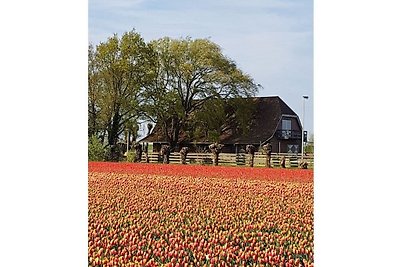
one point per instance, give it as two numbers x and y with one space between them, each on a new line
290 175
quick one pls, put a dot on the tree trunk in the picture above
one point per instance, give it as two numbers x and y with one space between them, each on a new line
215 158
268 149
102 136
215 150
113 137
146 153
165 151
251 160
268 161
303 164
184 151
92 119
175 129
171 130
282 162
138 152
251 150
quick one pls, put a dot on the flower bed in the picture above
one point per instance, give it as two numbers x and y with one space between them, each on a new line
176 215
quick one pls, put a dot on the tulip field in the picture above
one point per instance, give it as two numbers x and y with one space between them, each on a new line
187 215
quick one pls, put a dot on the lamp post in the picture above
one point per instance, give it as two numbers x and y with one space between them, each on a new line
302 128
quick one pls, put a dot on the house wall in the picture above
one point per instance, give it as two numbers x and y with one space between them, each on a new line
281 145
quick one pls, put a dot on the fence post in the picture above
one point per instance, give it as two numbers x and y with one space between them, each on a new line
240 159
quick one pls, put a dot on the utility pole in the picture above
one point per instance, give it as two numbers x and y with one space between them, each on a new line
302 127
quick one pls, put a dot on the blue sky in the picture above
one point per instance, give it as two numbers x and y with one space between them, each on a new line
271 40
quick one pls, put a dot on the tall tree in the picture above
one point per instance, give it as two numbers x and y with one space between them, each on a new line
118 71
189 73
93 96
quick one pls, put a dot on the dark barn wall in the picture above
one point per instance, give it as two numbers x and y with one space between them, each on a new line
295 123
281 145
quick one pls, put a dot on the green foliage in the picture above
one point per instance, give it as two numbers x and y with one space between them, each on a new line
243 110
130 156
213 136
169 81
95 149
207 121
118 70
219 115
188 74
309 147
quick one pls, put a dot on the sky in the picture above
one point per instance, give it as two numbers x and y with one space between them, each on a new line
270 40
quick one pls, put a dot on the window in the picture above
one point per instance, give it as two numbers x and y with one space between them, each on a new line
293 149
286 128
286 124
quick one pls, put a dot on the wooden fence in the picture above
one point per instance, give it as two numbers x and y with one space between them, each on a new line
231 159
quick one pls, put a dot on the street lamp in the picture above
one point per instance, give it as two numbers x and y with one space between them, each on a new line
302 128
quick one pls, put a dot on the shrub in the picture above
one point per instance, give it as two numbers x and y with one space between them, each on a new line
96 150
130 156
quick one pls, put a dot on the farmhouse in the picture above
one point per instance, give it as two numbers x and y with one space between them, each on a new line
272 120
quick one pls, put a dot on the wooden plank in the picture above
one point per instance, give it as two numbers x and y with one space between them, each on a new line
275 162
293 162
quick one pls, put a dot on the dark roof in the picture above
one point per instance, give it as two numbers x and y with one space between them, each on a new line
263 124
